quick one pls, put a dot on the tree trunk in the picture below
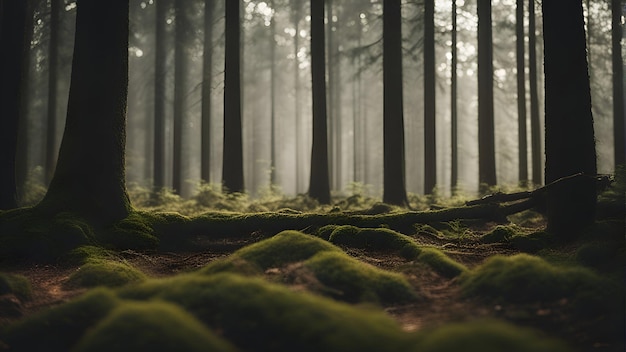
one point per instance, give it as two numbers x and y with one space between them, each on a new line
296 13
570 144
232 170
13 42
486 129
430 116
618 85
521 94
160 72
394 191
207 80
272 44
454 120
535 125
180 94
89 177
56 9
319 185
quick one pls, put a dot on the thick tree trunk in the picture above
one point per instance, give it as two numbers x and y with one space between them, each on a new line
521 94
180 94
619 129
486 129
535 125
89 177
56 9
13 43
394 191
160 71
319 185
232 170
570 144
430 116
207 79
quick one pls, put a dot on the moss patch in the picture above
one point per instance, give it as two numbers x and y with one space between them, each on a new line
17 285
486 336
354 281
152 326
107 273
374 238
440 262
525 278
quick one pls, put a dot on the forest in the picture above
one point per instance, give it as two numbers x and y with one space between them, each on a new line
280 175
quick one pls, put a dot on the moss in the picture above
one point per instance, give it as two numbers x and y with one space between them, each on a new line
232 264
525 278
500 234
440 262
324 232
17 285
285 247
374 238
151 326
84 254
134 232
532 242
486 336
257 315
59 328
104 273
602 256
354 281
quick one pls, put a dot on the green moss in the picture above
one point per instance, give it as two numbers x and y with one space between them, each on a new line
440 262
151 326
285 247
59 328
531 243
84 254
104 273
232 264
603 256
324 232
524 278
354 281
257 315
134 232
17 285
486 336
500 234
374 238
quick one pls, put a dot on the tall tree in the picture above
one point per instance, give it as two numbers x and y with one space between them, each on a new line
180 91
232 170
535 125
296 13
618 85
394 188
56 9
13 43
160 71
272 43
207 79
454 120
430 116
486 128
319 184
521 93
89 177
570 144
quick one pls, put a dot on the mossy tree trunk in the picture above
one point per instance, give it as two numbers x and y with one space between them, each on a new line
89 177
319 185
570 144
13 45
394 189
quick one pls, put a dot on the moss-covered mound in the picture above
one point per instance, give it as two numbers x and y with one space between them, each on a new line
374 238
319 266
104 273
16 285
150 326
525 278
486 336
440 262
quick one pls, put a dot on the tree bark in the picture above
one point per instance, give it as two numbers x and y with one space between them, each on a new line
535 125
207 80
521 94
454 120
232 170
619 129
394 189
56 9
486 129
89 178
430 116
570 144
160 72
180 94
13 43
319 184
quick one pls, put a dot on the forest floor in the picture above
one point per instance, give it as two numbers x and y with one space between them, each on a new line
441 298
